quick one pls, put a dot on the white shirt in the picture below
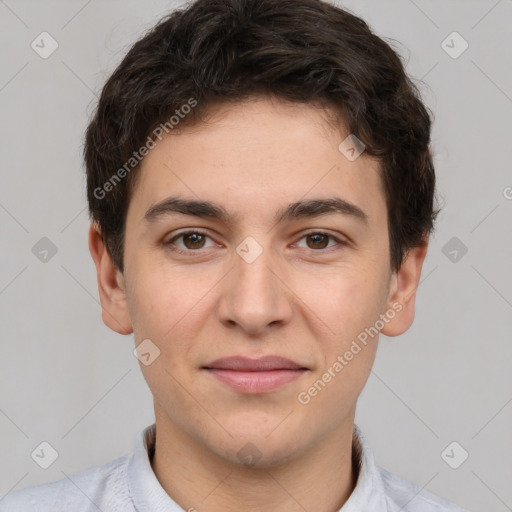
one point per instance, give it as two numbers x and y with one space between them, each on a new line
128 484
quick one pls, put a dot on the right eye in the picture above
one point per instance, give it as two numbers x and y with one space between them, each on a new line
193 240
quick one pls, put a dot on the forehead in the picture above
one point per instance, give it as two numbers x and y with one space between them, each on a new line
255 157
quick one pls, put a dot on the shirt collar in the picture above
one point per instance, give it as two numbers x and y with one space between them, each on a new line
147 493
368 493
149 496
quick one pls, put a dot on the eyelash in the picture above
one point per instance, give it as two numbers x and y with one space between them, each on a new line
190 252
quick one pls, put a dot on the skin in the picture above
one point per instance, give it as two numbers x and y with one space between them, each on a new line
304 299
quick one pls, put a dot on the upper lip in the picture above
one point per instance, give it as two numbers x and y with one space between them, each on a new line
266 363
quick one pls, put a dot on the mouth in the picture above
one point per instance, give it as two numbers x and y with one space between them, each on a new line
254 376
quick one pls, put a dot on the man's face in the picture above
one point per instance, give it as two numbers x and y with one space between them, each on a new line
303 287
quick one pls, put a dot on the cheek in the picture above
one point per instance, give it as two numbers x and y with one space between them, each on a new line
161 298
348 306
346 301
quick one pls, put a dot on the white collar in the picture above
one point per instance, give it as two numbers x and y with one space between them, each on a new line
149 496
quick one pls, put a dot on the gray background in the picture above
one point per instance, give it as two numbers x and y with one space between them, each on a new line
67 379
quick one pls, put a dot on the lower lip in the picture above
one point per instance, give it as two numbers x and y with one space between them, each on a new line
255 382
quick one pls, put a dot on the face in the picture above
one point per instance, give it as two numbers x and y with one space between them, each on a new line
249 277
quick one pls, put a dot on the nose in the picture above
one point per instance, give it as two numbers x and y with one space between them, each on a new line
254 294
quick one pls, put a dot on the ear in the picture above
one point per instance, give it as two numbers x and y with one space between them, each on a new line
402 295
111 285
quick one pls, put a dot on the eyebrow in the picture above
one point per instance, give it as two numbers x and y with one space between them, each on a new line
298 210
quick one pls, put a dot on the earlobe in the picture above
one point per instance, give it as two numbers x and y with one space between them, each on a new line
111 286
403 294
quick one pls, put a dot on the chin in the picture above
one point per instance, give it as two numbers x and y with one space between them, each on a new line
259 453
258 426
260 448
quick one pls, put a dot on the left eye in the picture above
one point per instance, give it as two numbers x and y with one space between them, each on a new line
319 240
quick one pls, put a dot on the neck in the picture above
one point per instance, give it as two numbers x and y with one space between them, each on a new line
320 478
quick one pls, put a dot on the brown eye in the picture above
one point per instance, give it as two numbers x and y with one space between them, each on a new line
318 240
189 242
193 240
321 242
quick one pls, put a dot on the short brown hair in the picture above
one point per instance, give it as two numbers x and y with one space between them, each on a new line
298 50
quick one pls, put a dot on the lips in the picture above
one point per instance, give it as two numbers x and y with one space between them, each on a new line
253 376
245 364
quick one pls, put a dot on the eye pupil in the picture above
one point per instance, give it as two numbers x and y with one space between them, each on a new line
197 238
318 237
